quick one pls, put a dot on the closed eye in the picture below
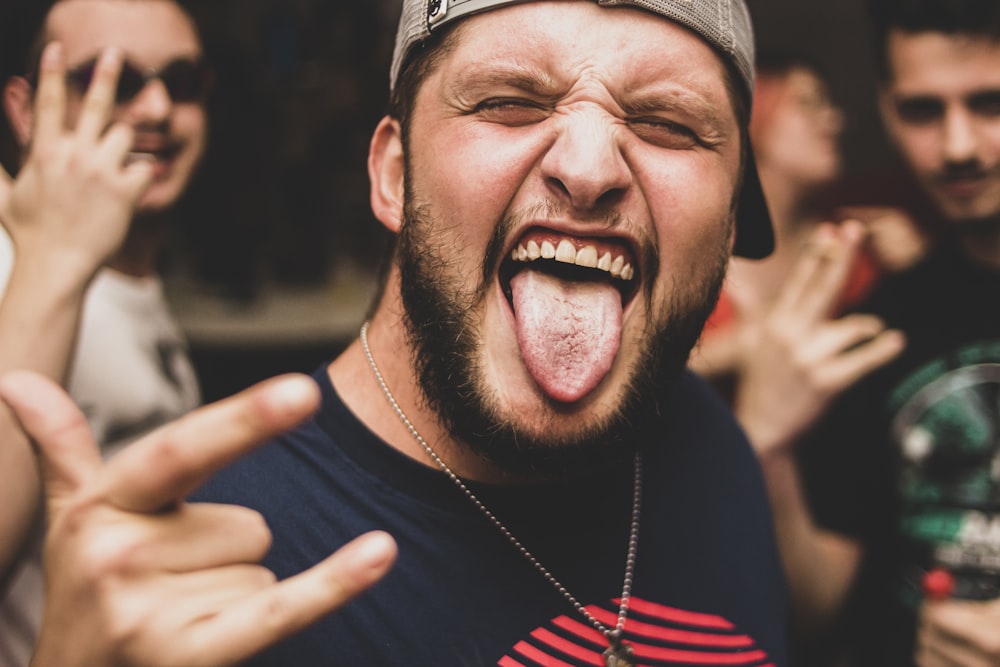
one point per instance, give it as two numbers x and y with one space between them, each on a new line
512 111
665 133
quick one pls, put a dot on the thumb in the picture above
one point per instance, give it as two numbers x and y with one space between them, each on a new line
67 452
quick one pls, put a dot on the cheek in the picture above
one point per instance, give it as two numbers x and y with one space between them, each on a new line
921 146
691 212
190 123
991 141
471 176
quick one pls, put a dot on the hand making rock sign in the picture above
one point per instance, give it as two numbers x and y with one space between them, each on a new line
134 575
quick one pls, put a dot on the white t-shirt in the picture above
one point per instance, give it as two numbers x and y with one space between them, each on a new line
130 373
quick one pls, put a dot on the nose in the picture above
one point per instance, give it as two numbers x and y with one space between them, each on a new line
959 143
584 165
152 105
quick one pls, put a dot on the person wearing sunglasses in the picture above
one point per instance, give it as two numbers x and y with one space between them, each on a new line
111 120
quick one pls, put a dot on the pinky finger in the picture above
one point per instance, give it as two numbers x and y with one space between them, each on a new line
267 616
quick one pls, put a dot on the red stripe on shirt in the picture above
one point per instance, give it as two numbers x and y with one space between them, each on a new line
540 657
676 615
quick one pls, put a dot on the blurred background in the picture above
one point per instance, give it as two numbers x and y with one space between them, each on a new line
274 262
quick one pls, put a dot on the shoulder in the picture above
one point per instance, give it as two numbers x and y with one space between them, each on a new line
703 453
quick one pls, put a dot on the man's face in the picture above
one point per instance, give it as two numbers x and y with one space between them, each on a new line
570 181
942 108
151 34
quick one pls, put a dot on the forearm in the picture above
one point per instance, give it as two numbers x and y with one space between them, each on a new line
40 314
820 565
39 317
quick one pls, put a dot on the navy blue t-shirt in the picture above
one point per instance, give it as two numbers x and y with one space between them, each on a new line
708 589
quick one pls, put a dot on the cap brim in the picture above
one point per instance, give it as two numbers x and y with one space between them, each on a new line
754 233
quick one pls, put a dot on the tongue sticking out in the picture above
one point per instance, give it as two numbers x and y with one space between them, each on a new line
569 331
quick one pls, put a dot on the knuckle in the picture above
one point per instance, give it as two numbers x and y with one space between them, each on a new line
276 611
107 557
169 454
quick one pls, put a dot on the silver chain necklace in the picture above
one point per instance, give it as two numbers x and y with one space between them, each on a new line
618 653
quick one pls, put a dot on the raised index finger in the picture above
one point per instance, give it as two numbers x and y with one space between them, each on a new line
168 464
50 95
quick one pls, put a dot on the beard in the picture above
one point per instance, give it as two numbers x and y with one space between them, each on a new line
444 333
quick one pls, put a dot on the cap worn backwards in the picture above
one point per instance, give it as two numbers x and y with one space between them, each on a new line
723 24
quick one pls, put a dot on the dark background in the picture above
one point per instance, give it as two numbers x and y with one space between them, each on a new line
278 214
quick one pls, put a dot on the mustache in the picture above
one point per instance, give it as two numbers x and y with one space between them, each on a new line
959 171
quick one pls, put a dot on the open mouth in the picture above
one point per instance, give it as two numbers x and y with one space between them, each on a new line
573 259
568 296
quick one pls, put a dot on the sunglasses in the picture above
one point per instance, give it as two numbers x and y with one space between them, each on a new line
186 80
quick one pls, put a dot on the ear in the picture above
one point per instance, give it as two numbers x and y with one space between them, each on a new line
19 105
385 171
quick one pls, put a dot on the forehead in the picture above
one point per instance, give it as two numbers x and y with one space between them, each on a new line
147 31
939 64
626 51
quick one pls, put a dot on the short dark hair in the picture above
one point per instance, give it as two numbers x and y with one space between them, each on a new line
973 18
21 28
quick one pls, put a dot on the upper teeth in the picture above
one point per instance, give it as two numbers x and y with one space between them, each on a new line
567 253
135 156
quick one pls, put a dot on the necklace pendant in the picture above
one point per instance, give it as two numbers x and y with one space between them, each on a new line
619 654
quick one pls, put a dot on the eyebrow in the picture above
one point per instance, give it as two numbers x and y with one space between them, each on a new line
676 99
521 78
542 86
